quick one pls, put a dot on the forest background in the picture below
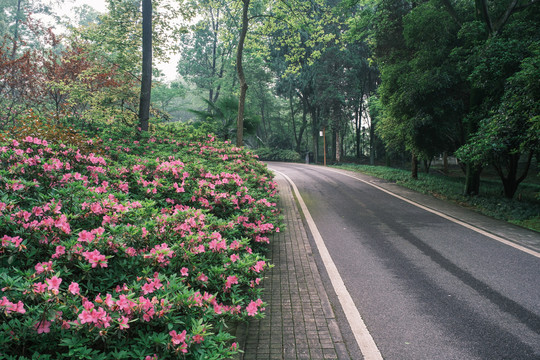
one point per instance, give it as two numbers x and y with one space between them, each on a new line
386 82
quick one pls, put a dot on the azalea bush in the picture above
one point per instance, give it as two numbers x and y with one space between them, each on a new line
141 249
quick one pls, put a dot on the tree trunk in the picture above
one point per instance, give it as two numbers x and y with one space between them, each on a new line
16 31
414 166
315 133
472 180
337 135
304 123
511 180
215 29
291 106
315 137
146 81
427 165
445 163
241 76
371 143
358 134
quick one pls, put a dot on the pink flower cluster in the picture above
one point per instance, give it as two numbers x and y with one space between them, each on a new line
254 307
177 217
15 241
10 307
160 254
179 340
95 258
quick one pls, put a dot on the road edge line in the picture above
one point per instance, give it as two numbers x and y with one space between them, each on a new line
363 338
447 217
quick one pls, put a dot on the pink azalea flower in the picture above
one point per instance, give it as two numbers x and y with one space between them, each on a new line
259 266
96 208
74 288
53 284
63 224
218 308
43 326
86 236
109 301
252 308
184 271
12 307
230 281
98 231
198 338
39 287
19 307
148 288
123 323
125 304
43 267
95 258
60 250
86 316
177 338
124 187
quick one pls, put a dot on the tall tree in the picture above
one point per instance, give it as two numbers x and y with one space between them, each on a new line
241 75
146 81
497 40
206 51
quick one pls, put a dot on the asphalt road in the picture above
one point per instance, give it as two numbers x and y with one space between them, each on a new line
426 287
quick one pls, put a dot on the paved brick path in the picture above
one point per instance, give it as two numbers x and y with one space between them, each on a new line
300 322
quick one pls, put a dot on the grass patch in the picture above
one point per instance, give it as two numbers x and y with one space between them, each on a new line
523 210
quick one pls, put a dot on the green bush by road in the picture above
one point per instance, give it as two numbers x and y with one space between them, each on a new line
524 210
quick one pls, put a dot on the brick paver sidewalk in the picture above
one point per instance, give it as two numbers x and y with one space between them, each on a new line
300 322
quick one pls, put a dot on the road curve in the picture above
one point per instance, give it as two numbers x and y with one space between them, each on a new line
426 287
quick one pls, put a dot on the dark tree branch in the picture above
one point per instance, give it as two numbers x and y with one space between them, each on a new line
482 7
512 8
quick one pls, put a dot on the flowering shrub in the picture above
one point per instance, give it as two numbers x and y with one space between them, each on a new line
143 252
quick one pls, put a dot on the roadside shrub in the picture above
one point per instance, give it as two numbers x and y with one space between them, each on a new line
273 154
490 202
147 256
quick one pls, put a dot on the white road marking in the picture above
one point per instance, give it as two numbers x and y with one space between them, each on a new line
361 333
433 211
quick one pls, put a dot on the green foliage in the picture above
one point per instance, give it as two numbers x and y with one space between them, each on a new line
165 96
523 212
150 248
39 126
220 119
420 111
207 51
274 154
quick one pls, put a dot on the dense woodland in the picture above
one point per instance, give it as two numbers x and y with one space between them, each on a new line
384 80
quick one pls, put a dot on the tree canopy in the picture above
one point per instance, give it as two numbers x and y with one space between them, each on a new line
384 79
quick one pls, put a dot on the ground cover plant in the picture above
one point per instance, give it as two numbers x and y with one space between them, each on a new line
131 246
523 211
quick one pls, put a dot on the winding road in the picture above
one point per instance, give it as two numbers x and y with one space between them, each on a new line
426 285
